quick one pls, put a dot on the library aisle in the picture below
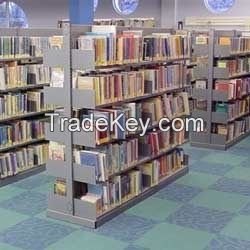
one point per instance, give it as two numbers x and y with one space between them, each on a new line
208 209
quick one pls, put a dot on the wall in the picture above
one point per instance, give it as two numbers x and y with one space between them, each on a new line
168 13
197 8
46 13
146 8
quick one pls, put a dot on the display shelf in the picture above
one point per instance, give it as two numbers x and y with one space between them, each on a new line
26 115
22 144
23 88
22 175
86 98
59 209
26 59
211 74
88 139
67 207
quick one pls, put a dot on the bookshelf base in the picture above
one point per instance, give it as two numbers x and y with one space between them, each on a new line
218 146
116 211
22 175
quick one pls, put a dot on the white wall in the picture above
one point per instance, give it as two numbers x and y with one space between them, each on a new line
46 13
168 13
197 8
146 8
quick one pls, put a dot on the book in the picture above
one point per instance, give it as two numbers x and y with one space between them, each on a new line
14 162
13 75
20 131
127 22
22 46
201 40
225 41
56 151
60 187
201 84
124 187
131 47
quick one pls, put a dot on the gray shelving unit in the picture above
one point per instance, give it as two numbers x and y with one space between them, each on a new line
214 51
24 60
67 208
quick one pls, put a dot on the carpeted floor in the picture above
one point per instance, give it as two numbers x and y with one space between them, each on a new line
209 209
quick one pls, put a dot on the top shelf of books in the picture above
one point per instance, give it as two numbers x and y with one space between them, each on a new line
224 46
108 46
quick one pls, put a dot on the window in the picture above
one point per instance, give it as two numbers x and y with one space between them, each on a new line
218 6
125 7
95 4
12 15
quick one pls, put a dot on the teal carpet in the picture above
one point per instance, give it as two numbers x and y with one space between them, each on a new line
209 209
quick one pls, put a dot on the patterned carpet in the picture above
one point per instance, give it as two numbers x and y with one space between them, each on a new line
209 209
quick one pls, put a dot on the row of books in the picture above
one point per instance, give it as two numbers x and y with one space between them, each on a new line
15 104
236 109
236 88
14 162
13 75
132 47
233 130
235 66
113 158
14 133
22 46
238 44
148 113
124 85
124 187
127 22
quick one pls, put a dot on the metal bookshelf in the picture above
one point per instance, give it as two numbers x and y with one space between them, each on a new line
67 208
214 51
22 175
24 60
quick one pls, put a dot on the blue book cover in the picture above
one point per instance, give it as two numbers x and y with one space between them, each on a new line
90 159
95 189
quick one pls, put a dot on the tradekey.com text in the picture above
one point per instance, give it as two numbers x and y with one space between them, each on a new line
102 124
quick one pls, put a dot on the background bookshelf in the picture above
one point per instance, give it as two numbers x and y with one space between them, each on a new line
23 147
222 89
65 203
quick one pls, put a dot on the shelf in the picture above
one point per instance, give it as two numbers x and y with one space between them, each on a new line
88 139
31 58
27 87
200 73
81 173
86 98
81 59
199 137
21 145
59 207
200 50
31 114
238 139
200 114
145 160
143 63
220 96
22 175
220 142
222 118
200 93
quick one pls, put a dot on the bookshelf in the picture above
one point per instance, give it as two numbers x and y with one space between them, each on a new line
218 71
11 87
68 207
